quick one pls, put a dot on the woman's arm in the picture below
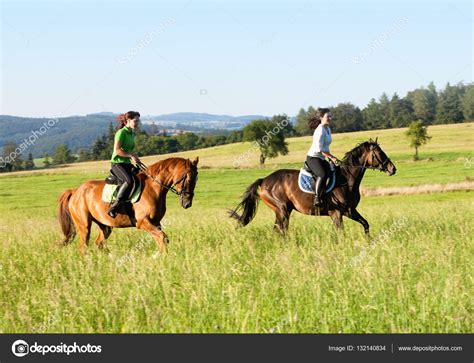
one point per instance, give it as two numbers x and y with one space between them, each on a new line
329 156
319 136
118 150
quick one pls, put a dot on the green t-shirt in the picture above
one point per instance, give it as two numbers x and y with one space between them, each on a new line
127 144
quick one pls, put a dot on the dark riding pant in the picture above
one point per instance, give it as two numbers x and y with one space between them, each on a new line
319 167
123 171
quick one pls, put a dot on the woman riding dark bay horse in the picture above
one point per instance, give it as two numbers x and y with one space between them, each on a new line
319 152
280 190
78 208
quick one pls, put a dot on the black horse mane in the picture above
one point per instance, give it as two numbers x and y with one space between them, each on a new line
353 155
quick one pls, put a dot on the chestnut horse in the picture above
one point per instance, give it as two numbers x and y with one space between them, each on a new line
78 208
280 190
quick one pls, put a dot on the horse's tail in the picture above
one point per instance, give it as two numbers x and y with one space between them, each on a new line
248 205
64 217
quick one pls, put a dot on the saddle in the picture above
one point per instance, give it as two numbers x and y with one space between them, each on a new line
306 179
112 183
112 178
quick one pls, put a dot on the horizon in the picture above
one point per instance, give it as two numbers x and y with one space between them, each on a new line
217 114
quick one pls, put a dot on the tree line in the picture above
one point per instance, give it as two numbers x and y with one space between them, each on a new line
151 142
454 103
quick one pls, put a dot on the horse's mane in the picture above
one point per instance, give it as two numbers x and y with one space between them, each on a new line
157 167
353 155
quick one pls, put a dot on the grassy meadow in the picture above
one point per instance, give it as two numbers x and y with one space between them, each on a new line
414 275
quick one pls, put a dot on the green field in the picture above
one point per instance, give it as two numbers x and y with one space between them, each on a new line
415 274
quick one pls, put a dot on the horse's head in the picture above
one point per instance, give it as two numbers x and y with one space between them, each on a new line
376 158
186 182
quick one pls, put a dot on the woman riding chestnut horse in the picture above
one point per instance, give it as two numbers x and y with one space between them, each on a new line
78 208
123 154
280 190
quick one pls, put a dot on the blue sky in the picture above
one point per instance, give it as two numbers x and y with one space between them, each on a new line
225 57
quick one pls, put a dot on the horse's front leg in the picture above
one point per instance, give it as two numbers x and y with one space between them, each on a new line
155 230
355 215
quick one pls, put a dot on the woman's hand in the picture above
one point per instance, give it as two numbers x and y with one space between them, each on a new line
135 159
331 157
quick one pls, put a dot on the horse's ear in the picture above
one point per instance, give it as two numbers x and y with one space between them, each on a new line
196 161
376 140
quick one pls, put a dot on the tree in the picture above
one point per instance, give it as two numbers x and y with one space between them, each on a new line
372 116
399 111
302 123
467 102
29 163
432 102
62 155
269 136
423 102
418 135
84 155
99 148
419 100
187 140
46 161
449 105
384 103
347 118
284 123
12 157
234 136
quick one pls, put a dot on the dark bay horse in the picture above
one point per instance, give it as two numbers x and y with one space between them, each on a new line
78 208
281 193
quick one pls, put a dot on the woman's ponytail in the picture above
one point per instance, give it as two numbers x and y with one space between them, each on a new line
122 118
315 119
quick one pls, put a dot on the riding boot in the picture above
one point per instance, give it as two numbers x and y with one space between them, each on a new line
120 200
318 189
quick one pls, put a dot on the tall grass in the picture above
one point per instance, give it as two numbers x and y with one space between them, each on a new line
217 279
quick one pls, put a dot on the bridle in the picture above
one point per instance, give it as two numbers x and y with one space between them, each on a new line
382 164
171 188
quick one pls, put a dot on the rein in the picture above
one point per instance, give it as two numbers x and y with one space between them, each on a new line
172 188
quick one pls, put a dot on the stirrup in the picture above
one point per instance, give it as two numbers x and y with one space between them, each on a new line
112 212
318 202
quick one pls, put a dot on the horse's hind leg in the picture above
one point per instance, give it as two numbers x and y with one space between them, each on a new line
83 223
282 219
282 214
104 233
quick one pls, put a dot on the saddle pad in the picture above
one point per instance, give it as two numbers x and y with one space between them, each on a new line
306 181
110 192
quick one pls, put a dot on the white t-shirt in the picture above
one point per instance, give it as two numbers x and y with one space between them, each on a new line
321 140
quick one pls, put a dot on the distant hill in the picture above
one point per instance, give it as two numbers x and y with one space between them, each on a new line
192 116
81 131
201 120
